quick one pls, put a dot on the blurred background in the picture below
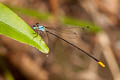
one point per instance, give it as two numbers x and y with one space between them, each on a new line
101 39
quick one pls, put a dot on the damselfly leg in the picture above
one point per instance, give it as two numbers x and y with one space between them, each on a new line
36 31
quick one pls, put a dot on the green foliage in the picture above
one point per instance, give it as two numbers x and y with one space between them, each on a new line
64 20
14 27
29 12
81 23
5 70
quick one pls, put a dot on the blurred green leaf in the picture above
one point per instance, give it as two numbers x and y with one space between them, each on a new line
64 20
30 12
8 75
4 68
81 23
14 27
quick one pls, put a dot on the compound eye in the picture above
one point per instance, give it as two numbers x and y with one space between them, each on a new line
34 27
37 24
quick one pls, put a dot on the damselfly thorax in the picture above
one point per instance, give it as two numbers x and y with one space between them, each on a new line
40 30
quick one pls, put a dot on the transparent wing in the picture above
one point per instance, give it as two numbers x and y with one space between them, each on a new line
67 30
69 33
44 35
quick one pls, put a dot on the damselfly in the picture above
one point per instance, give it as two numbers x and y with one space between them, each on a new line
43 29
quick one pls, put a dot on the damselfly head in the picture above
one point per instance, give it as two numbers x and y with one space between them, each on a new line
38 27
37 24
34 27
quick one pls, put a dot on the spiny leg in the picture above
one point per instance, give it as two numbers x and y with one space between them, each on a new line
41 35
36 34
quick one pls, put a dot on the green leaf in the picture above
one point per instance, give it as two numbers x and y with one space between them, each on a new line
5 69
65 20
30 12
81 23
14 27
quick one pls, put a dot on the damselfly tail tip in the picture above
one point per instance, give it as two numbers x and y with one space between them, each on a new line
101 64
